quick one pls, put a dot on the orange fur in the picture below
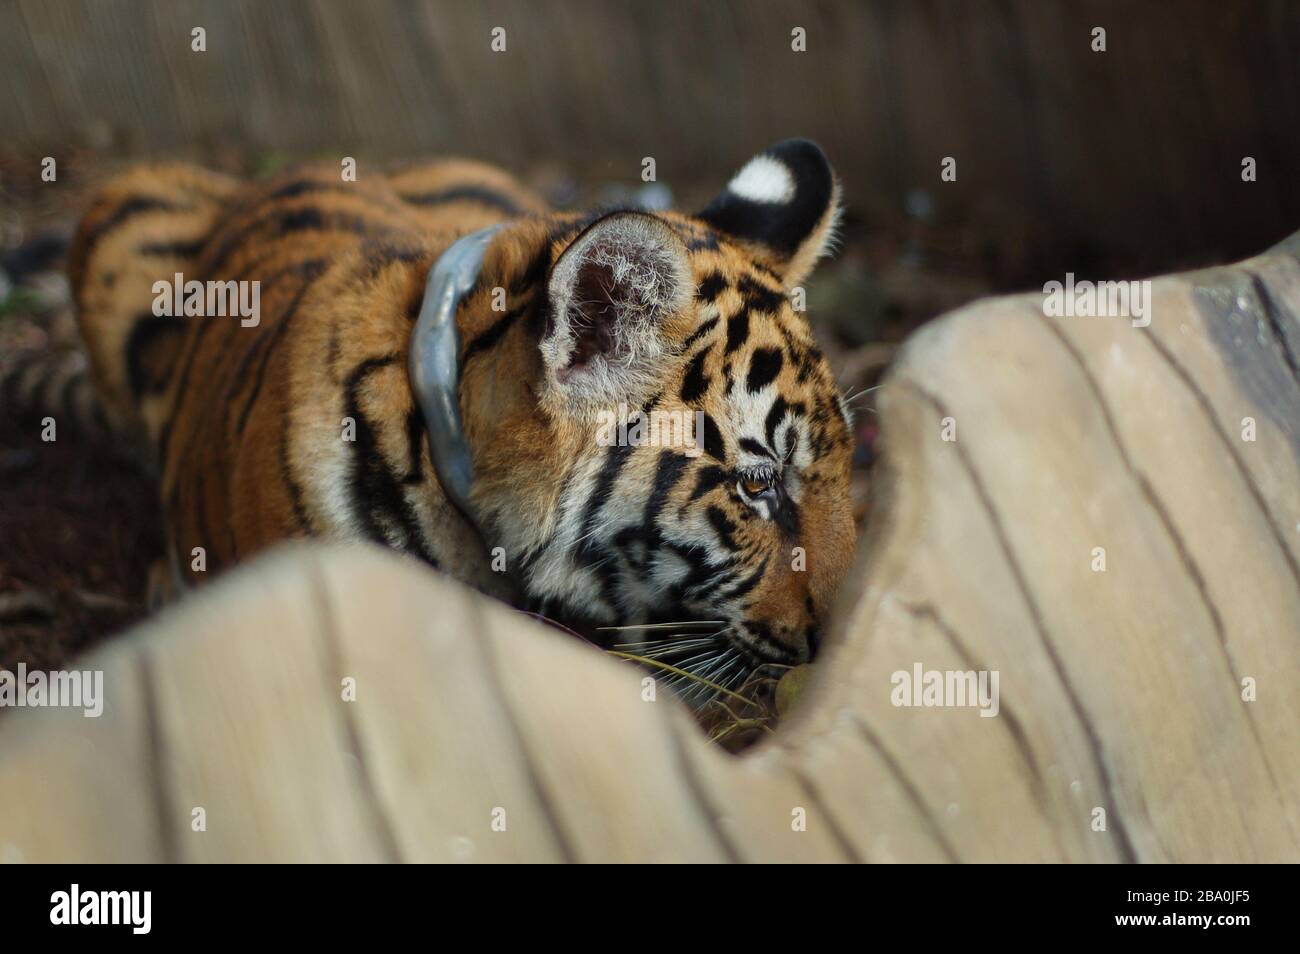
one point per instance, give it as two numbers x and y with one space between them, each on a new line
249 425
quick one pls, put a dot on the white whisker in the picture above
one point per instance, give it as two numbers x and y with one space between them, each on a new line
689 622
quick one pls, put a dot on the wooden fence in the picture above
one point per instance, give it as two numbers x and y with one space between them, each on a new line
1070 155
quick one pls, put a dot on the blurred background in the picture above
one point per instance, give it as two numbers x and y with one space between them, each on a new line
1113 163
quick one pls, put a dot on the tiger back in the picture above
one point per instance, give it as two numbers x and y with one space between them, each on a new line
235 432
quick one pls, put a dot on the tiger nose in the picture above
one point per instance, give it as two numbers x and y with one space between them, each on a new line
802 640
799 635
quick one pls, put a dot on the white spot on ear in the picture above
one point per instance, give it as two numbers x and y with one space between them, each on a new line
763 179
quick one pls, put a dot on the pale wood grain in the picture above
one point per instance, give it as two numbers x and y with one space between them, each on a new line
1056 144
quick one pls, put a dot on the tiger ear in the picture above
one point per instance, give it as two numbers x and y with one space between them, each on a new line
609 296
784 204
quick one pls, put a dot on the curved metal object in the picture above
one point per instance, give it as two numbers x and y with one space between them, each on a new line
434 364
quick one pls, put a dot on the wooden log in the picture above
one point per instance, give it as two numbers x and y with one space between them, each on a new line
1146 712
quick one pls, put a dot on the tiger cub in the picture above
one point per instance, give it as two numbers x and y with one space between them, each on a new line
303 421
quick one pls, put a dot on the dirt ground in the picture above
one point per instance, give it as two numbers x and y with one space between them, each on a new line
79 525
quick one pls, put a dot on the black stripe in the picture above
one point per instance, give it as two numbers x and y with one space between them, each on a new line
639 543
375 491
747 584
297 188
704 578
668 472
378 254
533 274
487 339
708 478
465 193
266 346
723 526
615 458
759 297
413 306
291 190
136 205
695 382
774 416
213 418
764 366
189 249
737 330
286 475
713 443
699 333
713 285
301 187
414 444
590 554
766 646
283 223
147 332
805 358
363 370
704 240
194 347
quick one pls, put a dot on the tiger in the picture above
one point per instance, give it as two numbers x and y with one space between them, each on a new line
307 421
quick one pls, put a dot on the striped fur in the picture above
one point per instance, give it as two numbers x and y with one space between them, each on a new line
51 383
248 424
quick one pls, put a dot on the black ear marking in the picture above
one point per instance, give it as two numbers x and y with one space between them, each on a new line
781 199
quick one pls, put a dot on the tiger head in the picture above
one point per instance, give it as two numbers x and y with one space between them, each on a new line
728 507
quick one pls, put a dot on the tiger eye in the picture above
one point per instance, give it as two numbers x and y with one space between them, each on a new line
756 486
